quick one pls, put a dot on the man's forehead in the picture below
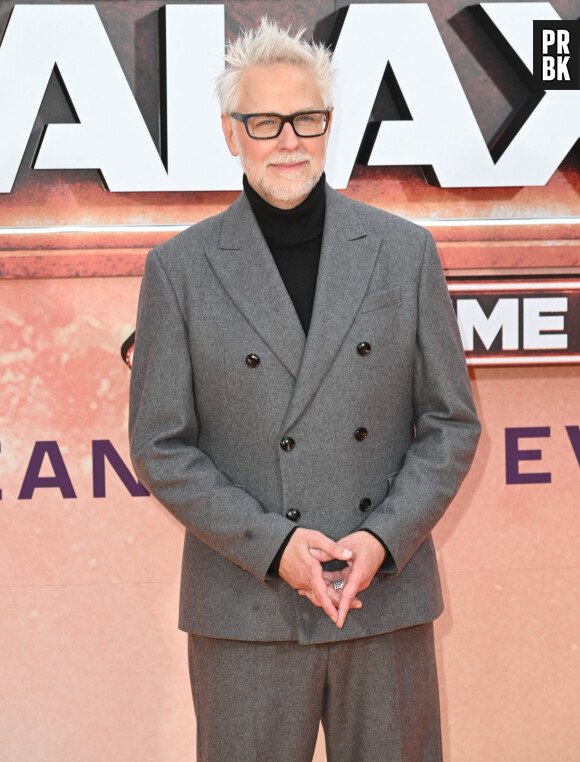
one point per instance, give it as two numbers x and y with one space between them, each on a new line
278 87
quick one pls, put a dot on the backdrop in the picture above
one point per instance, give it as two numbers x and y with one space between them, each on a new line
110 143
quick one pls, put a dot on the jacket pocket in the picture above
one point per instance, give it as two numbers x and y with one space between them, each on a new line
381 299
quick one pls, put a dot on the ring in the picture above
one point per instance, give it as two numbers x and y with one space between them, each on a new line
338 584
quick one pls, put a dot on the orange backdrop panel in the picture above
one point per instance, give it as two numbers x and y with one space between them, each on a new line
93 665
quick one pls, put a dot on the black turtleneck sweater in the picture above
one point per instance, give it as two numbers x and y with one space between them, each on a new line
294 236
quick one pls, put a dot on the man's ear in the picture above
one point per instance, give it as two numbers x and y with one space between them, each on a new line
330 121
228 128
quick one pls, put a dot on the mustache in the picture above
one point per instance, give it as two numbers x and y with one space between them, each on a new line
293 158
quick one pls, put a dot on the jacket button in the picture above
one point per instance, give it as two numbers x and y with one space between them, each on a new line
293 514
287 444
252 361
364 504
361 434
363 348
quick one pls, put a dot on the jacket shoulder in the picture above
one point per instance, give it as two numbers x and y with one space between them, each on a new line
381 222
189 243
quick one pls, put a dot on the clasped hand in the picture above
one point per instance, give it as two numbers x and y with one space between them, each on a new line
301 568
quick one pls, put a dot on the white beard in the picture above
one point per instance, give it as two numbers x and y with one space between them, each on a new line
293 186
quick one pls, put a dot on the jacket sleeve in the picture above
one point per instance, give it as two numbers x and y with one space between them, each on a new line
446 424
164 430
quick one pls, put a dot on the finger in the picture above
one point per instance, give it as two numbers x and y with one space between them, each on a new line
321 542
334 595
331 577
321 593
321 555
306 593
348 595
326 549
311 595
334 585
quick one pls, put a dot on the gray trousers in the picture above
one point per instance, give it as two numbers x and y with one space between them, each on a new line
377 698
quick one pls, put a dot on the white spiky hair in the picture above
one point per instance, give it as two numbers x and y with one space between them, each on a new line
266 45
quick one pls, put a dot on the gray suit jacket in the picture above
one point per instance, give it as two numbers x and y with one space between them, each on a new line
205 427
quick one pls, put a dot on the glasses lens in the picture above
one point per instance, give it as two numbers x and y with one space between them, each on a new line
263 126
308 125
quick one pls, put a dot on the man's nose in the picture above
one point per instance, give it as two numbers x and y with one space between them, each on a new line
288 138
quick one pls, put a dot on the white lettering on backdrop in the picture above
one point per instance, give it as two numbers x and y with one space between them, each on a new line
111 135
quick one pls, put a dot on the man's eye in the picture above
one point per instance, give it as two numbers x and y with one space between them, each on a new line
306 118
264 122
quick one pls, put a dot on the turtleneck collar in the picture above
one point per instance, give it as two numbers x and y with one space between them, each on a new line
289 227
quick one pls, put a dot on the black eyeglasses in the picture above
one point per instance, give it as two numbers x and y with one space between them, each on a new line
306 124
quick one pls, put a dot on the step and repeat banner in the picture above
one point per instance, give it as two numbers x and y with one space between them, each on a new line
462 116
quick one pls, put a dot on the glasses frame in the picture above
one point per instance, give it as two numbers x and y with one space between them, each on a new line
289 118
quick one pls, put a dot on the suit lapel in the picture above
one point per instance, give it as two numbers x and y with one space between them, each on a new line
346 263
245 267
247 271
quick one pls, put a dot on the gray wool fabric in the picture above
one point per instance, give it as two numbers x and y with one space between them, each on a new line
262 702
205 427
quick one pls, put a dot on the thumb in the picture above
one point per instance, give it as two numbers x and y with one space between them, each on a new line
328 549
320 555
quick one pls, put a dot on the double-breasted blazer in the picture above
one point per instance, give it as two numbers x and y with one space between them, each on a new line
243 427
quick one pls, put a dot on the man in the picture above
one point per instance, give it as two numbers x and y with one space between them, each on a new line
300 402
